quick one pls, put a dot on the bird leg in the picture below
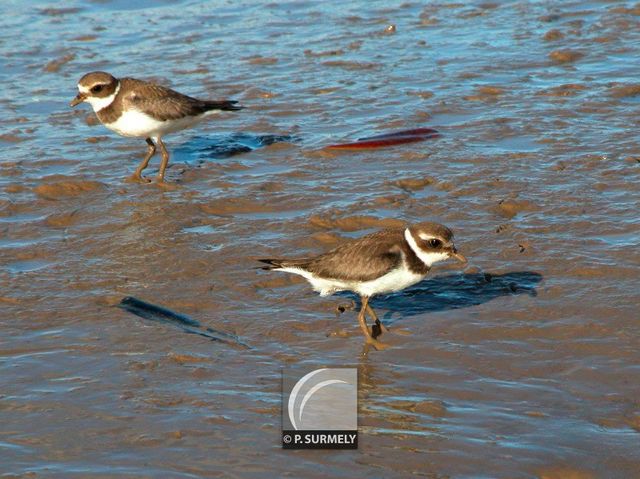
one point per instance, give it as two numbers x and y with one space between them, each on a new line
363 325
151 150
378 328
164 162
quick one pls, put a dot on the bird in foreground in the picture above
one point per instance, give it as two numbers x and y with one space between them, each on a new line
141 109
382 262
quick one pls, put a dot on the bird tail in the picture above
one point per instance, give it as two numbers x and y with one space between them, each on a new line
273 264
226 105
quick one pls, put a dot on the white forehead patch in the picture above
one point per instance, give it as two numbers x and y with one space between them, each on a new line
428 258
83 89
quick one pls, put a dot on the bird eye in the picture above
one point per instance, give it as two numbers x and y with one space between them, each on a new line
96 89
435 243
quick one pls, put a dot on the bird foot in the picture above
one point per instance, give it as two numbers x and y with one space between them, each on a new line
377 329
382 327
166 186
136 178
377 344
402 332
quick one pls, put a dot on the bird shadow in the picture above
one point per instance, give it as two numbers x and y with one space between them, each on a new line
214 147
456 291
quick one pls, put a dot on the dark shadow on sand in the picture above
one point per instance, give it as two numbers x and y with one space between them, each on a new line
455 291
214 147
160 314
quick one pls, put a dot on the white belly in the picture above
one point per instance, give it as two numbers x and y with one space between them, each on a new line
394 281
137 124
323 286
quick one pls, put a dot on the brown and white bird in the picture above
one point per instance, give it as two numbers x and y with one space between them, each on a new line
141 109
382 262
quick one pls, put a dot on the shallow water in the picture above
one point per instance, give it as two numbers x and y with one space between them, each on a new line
524 364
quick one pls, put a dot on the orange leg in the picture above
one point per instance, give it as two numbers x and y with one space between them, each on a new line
151 150
363 325
164 162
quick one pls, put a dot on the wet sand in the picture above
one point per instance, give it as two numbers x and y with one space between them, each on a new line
524 364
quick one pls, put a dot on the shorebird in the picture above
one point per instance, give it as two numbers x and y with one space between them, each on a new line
141 109
382 262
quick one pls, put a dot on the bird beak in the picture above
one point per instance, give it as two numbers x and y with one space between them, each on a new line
80 97
454 254
459 257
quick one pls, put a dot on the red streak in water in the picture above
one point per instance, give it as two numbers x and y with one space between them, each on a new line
390 139
414 132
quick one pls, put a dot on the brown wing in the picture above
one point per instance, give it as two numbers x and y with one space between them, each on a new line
363 259
163 103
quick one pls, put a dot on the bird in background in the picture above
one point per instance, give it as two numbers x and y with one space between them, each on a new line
140 109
